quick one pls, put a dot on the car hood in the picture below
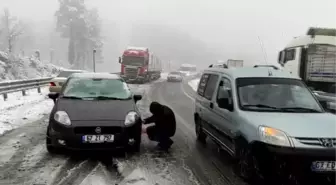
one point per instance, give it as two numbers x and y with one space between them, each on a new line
312 125
80 110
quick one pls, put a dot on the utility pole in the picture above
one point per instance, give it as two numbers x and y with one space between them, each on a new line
94 60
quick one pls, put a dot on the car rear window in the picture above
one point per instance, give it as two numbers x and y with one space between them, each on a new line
93 87
66 74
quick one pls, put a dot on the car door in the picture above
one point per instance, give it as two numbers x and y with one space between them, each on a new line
207 104
199 102
222 118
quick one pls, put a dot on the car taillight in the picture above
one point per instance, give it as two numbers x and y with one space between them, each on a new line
52 84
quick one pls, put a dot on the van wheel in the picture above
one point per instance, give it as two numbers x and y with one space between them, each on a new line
201 136
247 166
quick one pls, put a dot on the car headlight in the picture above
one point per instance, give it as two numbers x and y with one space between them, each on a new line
131 118
273 136
62 117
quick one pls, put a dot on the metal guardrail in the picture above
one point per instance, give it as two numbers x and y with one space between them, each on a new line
23 86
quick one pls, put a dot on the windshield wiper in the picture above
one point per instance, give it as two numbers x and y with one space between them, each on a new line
261 106
72 97
295 109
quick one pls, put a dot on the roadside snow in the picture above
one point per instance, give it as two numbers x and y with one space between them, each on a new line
194 83
18 110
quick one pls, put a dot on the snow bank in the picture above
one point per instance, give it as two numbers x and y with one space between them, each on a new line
194 83
13 68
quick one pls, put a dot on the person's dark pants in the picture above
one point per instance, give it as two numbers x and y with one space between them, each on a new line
160 136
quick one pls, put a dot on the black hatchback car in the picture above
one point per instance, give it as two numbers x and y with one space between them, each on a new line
94 111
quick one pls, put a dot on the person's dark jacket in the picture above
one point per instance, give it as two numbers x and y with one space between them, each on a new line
163 117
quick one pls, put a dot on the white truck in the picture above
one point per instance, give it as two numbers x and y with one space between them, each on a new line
187 69
312 57
235 63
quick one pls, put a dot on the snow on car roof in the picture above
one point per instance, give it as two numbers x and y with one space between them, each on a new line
96 75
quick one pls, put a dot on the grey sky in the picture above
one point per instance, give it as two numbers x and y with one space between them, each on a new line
230 25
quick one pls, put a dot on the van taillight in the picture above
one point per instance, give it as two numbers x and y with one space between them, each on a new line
52 84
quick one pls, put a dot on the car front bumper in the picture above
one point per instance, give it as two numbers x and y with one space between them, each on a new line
296 161
70 137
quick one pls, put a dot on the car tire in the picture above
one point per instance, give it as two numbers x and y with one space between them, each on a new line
247 165
200 135
51 149
135 148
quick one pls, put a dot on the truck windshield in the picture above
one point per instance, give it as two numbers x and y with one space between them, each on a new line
130 60
275 94
187 68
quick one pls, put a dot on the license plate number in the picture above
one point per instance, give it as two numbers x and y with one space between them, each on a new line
97 138
324 166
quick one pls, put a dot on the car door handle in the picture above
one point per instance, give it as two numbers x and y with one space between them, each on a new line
211 105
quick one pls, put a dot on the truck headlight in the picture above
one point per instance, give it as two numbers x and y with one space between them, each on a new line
62 117
273 136
131 118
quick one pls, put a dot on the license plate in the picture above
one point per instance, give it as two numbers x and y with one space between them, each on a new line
97 138
324 166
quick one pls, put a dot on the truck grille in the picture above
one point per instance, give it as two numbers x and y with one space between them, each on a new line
131 71
91 130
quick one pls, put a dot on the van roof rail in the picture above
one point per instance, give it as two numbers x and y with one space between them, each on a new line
272 66
218 66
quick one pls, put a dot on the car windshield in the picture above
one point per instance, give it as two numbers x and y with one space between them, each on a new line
130 60
96 88
275 94
66 74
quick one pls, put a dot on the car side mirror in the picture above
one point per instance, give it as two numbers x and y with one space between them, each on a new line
53 96
119 60
137 98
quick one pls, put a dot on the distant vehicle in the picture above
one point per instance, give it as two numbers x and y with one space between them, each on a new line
228 64
175 76
312 57
187 69
57 82
239 109
140 65
94 111
235 63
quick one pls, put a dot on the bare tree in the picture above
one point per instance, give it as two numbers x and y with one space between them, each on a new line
12 27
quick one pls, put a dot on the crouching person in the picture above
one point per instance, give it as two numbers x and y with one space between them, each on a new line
165 125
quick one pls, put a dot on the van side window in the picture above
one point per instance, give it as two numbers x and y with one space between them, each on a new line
211 86
224 89
290 55
202 84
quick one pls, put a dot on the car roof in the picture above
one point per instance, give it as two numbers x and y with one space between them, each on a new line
245 72
95 75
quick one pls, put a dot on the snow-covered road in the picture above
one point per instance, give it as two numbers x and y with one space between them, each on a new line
194 83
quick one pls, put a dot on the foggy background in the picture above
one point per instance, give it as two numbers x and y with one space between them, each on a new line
182 31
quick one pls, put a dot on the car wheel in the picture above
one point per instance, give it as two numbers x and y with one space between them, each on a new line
200 135
51 149
247 166
135 148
